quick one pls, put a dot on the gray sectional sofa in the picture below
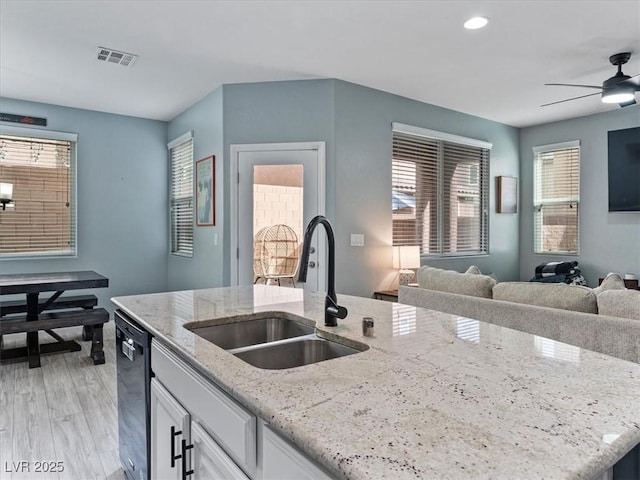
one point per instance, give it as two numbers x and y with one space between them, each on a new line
605 319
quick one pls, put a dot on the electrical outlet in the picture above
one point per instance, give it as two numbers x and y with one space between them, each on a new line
357 240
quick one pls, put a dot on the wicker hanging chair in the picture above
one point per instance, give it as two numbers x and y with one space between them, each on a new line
275 253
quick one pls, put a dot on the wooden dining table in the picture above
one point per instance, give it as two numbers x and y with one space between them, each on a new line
32 285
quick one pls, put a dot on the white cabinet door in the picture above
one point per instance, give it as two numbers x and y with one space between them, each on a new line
209 461
170 424
282 461
230 424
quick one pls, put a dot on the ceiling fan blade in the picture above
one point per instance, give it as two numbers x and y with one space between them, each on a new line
627 104
573 85
569 99
634 85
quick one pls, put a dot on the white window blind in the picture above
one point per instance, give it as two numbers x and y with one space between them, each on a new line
440 193
181 153
556 198
42 219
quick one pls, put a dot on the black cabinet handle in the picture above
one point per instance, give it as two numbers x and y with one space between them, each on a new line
174 457
185 447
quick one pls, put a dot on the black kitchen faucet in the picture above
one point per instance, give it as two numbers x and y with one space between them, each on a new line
332 310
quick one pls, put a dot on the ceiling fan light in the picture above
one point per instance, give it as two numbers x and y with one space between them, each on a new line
617 97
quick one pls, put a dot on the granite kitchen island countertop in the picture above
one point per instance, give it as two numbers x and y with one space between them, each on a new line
435 395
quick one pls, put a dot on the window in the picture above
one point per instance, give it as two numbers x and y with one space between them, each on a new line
440 192
41 167
556 198
181 152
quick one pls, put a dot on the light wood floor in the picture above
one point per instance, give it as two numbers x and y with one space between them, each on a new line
64 411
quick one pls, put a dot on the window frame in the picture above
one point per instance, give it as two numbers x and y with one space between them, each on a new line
538 203
179 142
483 186
72 138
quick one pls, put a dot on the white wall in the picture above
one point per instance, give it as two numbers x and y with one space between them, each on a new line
609 242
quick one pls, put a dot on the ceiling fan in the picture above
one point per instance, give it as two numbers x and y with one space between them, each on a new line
617 89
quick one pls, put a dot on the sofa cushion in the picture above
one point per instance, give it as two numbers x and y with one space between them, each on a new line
620 303
554 295
454 282
612 281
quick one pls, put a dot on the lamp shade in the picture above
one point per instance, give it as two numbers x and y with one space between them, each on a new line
6 191
406 257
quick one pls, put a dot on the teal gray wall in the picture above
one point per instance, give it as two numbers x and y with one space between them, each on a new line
609 242
123 183
355 123
363 140
277 112
205 268
122 198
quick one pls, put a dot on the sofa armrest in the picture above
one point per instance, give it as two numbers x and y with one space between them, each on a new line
623 303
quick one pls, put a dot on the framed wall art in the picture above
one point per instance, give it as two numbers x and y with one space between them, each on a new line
205 191
507 201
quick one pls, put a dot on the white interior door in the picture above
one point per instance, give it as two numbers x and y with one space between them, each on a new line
277 184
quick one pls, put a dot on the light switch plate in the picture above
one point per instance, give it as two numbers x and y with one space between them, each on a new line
357 240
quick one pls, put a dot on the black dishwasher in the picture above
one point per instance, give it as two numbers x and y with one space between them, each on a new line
133 360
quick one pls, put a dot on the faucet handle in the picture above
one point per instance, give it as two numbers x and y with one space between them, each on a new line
332 311
337 311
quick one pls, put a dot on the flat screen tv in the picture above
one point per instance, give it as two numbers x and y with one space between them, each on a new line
624 170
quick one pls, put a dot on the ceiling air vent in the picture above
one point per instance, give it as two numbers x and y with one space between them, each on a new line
114 56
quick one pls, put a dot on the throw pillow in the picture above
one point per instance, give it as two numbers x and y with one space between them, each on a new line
455 282
612 281
473 270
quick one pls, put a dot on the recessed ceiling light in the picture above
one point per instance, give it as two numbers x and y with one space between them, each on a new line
475 23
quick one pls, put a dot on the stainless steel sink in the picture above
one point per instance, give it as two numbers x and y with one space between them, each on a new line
273 340
295 353
253 332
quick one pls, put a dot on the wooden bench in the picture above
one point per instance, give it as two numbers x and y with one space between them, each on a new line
93 318
86 302
9 307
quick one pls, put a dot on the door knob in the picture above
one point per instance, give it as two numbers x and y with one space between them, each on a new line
312 264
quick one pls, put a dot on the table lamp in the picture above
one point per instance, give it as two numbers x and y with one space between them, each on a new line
406 257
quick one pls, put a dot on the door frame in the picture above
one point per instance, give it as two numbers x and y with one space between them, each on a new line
235 151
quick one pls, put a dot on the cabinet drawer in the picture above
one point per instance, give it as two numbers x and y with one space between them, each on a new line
231 426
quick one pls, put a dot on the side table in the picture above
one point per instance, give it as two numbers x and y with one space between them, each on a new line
631 284
386 295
